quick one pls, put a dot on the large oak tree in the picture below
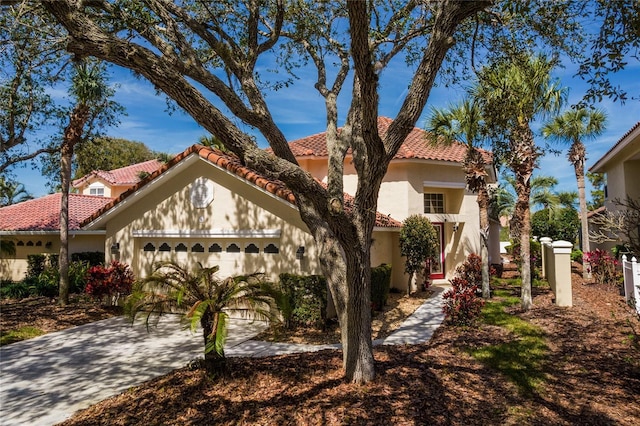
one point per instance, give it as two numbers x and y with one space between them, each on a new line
204 54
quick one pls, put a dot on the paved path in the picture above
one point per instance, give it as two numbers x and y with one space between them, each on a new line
44 380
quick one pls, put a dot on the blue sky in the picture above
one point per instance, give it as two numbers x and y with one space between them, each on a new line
299 111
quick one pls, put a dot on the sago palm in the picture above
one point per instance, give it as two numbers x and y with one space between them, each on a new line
573 127
205 300
465 121
514 92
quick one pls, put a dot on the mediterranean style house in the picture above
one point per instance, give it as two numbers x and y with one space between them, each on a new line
621 166
205 206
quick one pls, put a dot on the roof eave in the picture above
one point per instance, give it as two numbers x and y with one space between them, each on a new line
615 150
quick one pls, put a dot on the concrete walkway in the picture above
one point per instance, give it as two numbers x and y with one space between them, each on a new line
44 380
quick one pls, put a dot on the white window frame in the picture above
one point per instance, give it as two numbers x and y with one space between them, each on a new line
424 202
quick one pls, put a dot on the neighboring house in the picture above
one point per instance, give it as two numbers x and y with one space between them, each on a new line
205 206
621 166
112 183
34 228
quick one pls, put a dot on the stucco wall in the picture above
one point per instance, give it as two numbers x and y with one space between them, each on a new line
15 267
402 194
236 208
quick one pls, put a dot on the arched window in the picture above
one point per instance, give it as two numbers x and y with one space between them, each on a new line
251 248
197 248
271 248
215 248
233 248
181 247
164 247
149 247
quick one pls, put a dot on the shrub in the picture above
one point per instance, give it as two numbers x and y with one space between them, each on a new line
77 276
109 282
576 255
36 264
93 258
461 303
471 269
418 242
380 285
47 283
14 290
308 297
603 266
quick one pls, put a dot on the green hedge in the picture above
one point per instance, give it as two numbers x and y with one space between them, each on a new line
380 285
308 299
94 258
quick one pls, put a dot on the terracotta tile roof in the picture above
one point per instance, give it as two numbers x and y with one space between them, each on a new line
43 214
415 146
123 176
232 163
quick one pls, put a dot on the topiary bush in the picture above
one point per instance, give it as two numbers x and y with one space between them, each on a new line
308 298
461 303
380 286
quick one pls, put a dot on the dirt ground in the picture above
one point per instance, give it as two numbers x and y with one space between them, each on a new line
591 377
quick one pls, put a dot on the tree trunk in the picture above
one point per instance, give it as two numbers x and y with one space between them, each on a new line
66 156
72 135
483 204
523 162
579 170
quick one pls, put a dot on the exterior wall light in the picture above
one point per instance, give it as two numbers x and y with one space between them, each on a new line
115 248
300 253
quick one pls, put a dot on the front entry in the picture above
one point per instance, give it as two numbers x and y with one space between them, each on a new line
437 264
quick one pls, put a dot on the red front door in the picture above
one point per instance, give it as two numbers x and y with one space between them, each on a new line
437 265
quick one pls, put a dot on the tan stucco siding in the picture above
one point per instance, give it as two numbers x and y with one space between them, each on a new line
236 207
402 194
15 267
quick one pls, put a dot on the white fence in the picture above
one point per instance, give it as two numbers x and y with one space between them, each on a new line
631 271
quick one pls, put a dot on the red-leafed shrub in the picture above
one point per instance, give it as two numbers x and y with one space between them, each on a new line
605 268
109 282
461 303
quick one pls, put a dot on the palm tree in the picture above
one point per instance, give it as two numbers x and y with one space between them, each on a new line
90 90
573 126
541 193
464 121
212 141
12 193
513 93
205 300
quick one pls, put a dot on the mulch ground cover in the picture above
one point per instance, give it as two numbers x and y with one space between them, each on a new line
45 314
591 376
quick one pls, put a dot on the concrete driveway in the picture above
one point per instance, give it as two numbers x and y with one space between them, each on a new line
44 380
